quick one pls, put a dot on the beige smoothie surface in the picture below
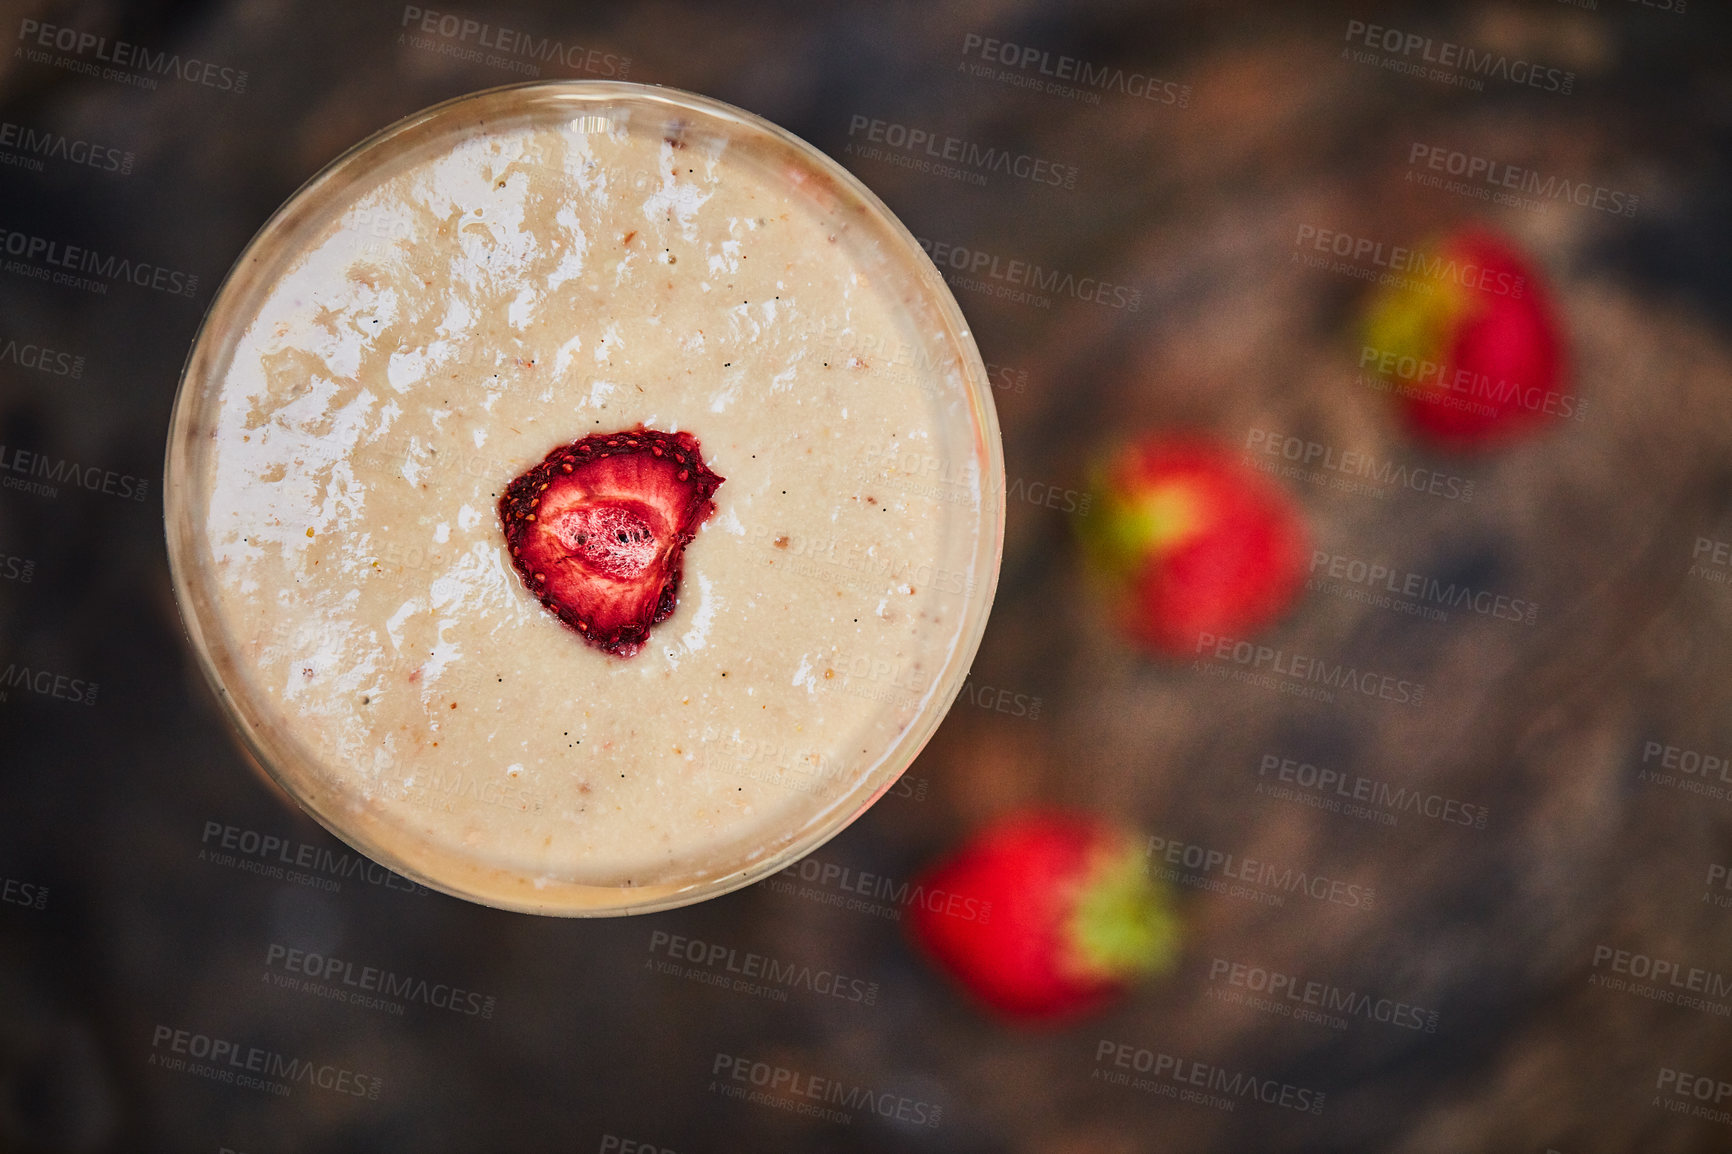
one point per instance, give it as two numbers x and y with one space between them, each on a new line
513 292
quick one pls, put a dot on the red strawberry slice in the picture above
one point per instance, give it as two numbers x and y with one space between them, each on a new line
1046 916
598 530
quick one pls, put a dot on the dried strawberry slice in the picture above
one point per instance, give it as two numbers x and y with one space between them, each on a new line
599 529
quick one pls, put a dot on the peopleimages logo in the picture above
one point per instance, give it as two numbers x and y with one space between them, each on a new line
1692 1094
19 569
1395 260
615 1144
767 1084
1302 675
943 150
957 480
1334 790
1463 388
42 359
1409 52
479 42
827 558
1200 1083
1496 175
267 854
1389 587
58 263
745 971
1718 876
1718 553
38 40
1672 981
1686 770
1021 280
1190 864
26 148
46 683
1310 460
342 980
30 895
1323 1003
62 471
838 885
253 1067
444 789
1070 77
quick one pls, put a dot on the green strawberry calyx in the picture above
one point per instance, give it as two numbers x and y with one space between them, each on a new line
1123 925
1416 323
1134 526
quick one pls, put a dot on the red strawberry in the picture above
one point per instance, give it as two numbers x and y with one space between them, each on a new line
1045 916
597 531
1476 351
1192 541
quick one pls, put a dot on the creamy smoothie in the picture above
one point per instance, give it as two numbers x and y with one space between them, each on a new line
439 312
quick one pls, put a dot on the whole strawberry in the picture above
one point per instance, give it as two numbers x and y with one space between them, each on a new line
1189 540
1471 344
1045 916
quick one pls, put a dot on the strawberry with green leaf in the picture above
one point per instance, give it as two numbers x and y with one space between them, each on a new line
1471 344
1189 540
1046 916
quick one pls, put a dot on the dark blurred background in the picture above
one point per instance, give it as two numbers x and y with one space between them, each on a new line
143 893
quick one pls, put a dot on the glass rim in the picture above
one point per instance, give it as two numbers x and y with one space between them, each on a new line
235 302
